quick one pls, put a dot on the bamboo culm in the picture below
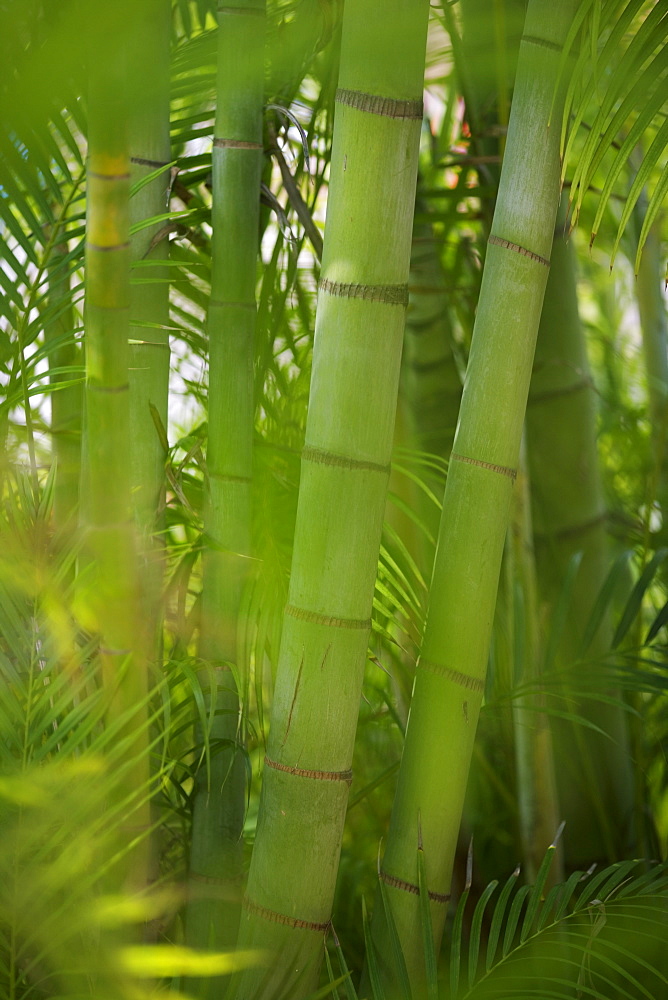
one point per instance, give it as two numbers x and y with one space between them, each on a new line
220 788
345 464
450 673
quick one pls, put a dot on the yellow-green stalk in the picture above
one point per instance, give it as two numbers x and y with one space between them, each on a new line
149 292
594 775
219 798
345 466
109 591
451 670
538 804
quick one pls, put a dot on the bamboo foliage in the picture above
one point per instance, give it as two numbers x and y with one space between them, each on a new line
219 799
450 673
345 462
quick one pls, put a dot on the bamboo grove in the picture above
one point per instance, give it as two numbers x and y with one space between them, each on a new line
333 489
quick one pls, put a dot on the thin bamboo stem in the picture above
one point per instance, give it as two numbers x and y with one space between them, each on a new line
220 793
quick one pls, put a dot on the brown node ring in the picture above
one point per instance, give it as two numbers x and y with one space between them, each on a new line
387 107
280 918
399 883
516 248
346 776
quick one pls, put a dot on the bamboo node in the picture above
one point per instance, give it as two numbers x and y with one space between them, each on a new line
149 343
323 457
225 478
400 883
220 880
573 530
101 249
237 305
236 144
243 11
463 680
346 776
391 295
281 918
543 42
516 248
388 107
563 390
107 177
106 651
304 615
143 162
503 470
108 388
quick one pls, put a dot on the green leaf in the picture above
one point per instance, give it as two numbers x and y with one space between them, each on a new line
476 929
514 916
635 599
351 993
431 965
457 928
371 959
497 917
604 597
397 955
658 623
537 891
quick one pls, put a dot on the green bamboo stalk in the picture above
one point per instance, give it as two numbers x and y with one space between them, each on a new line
109 579
430 384
451 670
534 754
345 465
219 801
595 782
149 293
654 325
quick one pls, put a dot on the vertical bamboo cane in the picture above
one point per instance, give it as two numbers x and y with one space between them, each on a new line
111 573
595 782
450 675
219 800
654 324
149 300
345 465
534 753
430 383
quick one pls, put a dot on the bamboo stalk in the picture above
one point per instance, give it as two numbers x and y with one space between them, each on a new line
219 801
594 777
654 325
109 581
430 383
451 670
149 299
534 753
345 466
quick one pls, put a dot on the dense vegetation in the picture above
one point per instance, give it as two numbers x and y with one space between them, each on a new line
333 556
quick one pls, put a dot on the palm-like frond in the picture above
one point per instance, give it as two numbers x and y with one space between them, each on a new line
619 86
